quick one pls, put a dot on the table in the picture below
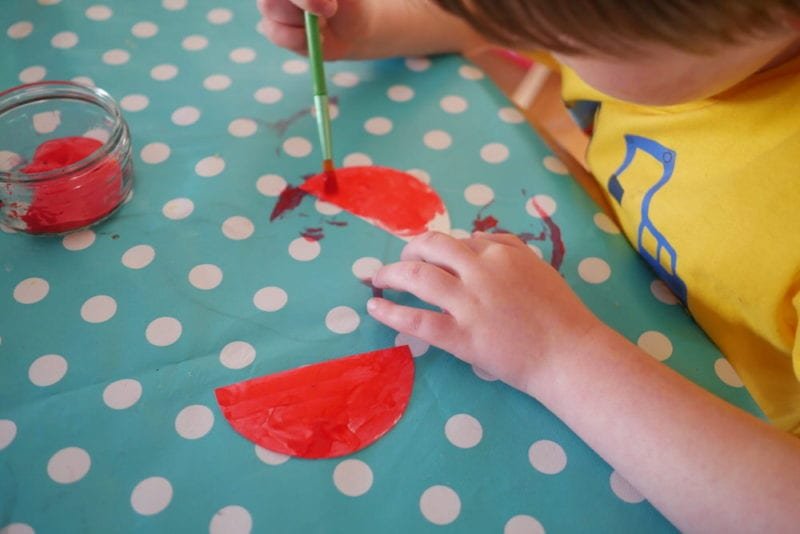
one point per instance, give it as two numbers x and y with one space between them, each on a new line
113 339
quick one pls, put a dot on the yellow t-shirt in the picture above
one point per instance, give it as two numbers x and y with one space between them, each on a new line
709 194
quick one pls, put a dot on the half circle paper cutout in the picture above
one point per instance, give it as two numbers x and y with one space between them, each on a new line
387 198
323 410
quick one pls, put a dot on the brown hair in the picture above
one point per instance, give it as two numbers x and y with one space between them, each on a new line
616 26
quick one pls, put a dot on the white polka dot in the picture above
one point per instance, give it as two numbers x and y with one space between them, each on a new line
483 375
173 5
8 431
134 103
420 175
479 194
400 93
511 115
9 160
523 524
178 208
242 55
437 140
20 30
219 15
193 43
99 134
116 56
98 12
545 203
295 66
453 104
270 299
547 457
727 373
32 74
185 116
78 240
352 477
47 370
440 505
163 72
356 159
270 457
416 345
470 72
271 185
231 519
46 121
237 228
151 495
144 29
345 79
655 344
366 267
155 153
554 165
138 257
122 394
205 276
604 222
237 355
326 208
378 126
623 489
210 166
84 80
69 465
194 422
302 249
48 2
594 270
418 64
342 320
494 153
31 290
163 331
297 147
242 127
662 292
64 40
98 309
268 95
463 431
217 82
17 528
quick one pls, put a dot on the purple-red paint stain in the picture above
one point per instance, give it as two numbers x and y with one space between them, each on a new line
559 250
282 126
313 234
484 224
289 199
337 223
377 292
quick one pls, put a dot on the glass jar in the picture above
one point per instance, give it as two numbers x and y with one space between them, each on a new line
65 157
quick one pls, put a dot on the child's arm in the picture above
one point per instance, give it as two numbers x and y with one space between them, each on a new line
365 29
703 463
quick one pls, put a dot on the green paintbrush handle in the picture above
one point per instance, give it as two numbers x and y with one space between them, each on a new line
320 89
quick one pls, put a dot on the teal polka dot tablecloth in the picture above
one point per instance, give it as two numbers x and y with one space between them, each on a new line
113 339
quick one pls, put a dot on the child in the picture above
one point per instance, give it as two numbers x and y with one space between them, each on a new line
697 143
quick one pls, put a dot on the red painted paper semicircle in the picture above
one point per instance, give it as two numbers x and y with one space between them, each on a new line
323 410
392 200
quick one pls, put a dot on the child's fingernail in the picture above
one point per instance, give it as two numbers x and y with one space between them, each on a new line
372 305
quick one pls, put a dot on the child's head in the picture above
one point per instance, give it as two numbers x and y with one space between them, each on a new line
649 51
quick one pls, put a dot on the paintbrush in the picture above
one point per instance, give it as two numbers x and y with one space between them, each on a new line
321 100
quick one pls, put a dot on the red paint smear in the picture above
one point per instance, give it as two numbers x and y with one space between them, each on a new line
555 235
484 224
323 410
73 200
289 199
393 200
331 186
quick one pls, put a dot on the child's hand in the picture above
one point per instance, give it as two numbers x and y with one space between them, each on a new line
343 24
505 310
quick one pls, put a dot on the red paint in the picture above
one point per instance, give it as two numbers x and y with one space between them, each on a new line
323 410
484 224
289 199
393 200
559 250
73 200
331 187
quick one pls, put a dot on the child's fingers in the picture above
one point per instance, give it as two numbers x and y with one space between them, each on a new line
432 327
323 8
440 249
284 36
282 12
423 280
503 238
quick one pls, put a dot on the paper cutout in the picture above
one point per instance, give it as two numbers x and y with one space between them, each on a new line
323 410
73 200
392 200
